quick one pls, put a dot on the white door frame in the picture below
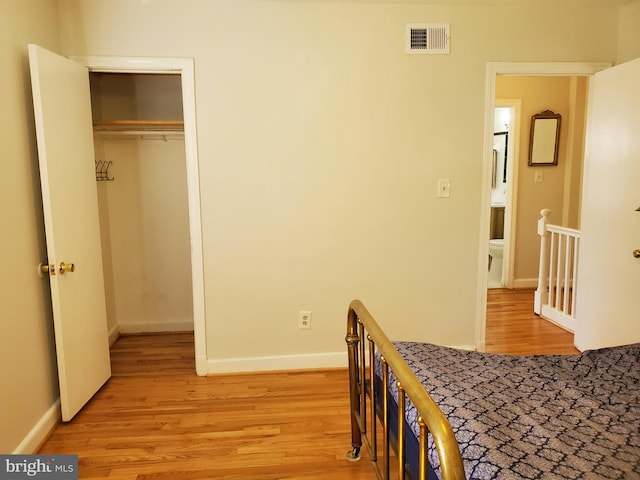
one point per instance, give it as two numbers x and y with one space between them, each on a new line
493 69
184 67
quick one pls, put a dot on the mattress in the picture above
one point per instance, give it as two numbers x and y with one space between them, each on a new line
534 417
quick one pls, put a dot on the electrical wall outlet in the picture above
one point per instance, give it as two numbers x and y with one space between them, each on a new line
304 319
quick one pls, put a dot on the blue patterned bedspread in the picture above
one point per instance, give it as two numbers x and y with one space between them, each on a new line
535 417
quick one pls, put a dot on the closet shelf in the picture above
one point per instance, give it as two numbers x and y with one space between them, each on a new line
137 127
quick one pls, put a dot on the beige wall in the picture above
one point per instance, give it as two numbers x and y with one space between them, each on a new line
629 32
28 374
320 146
145 234
558 190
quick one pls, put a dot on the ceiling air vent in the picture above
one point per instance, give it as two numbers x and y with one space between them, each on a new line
428 38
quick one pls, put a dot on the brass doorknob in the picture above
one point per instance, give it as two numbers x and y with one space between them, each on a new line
66 267
636 253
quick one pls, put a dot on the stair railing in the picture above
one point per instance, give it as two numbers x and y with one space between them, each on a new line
555 298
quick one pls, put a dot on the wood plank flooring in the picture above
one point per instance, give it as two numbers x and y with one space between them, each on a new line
513 328
155 419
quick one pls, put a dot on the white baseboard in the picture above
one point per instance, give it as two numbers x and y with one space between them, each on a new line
114 334
38 434
472 348
286 362
525 283
558 318
145 327
278 362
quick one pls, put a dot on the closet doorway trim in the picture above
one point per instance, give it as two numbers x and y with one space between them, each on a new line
185 68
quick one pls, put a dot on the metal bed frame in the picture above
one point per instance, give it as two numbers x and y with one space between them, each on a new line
364 338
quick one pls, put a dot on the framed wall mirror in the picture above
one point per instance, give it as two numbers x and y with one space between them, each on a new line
545 138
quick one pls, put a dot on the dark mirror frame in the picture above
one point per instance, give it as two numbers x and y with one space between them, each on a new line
506 156
544 139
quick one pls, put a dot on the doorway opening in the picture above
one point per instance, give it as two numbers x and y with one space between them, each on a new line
142 200
494 70
506 136
146 149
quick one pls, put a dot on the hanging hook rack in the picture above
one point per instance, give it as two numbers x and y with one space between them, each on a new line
102 171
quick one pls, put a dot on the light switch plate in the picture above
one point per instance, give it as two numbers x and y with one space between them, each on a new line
537 176
444 188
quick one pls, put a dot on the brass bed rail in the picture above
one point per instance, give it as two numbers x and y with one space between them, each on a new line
364 337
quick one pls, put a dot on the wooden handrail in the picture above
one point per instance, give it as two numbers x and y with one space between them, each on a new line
451 465
571 232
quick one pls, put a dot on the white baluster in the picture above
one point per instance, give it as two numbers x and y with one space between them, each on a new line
574 286
542 293
566 288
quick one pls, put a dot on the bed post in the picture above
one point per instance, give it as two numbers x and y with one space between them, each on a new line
353 340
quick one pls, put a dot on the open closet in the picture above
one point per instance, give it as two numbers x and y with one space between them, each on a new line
141 177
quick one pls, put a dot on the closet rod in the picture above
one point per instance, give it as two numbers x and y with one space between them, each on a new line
159 133
135 127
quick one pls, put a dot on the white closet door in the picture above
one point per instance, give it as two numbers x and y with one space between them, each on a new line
62 107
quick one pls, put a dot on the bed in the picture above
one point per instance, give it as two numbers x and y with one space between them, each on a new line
427 411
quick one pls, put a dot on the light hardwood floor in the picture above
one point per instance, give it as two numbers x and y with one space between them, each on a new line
513 328
155 419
